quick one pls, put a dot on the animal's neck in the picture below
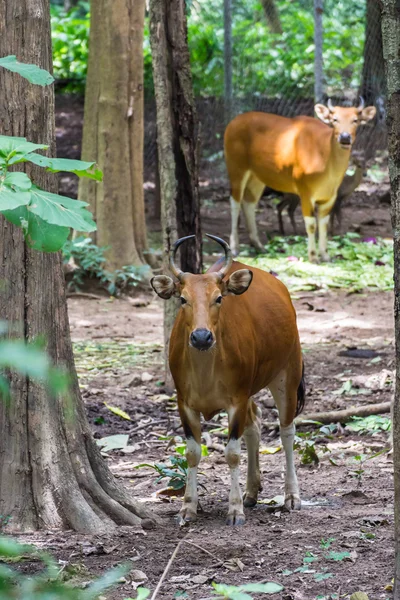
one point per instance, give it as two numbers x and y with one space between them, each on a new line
340 155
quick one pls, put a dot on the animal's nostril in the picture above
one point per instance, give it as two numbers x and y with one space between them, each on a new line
345 138
201 339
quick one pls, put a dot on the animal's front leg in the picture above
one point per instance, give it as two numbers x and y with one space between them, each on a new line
191 426
232 455
323 224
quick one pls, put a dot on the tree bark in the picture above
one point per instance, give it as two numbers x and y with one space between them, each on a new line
391 53
52 474
318 52
373 74
272 16
177 142
113 129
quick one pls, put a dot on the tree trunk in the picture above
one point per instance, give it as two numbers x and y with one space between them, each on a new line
52 474
68 4
272 16
113 129
373 74
318 52
391 52
228 87
176 140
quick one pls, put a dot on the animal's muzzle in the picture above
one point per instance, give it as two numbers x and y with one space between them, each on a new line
345 139
201 339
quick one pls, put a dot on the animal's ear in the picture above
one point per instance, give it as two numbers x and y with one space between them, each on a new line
323 113
367 114
239 282
164 286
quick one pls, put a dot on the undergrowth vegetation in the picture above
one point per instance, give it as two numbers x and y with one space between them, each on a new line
356 264
90 260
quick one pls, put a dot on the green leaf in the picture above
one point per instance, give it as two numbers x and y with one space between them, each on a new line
10 548
337 555
24 358
322 576
262 588
10 199
32 73
39 234
4 389
60 210
14 149
109 579
142 593
18 180
55 165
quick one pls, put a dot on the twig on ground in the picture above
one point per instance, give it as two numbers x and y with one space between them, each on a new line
338 416
220 562
167 568
85 295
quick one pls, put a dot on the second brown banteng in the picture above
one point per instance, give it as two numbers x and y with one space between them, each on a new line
234 335
297 156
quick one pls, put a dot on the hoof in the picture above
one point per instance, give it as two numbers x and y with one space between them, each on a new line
325 257
292 502
249 501
313 258
235 518
186 516
258 247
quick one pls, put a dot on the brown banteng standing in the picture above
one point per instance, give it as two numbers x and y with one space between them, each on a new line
297 156
235 334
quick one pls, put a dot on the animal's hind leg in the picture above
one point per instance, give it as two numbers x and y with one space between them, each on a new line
238 184
252 194
252 438
284 390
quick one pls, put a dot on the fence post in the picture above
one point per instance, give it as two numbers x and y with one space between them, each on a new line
318 55
228 60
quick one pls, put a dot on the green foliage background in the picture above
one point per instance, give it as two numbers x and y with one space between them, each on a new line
263 63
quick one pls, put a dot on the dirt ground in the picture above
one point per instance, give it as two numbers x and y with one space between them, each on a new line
356 517
342 539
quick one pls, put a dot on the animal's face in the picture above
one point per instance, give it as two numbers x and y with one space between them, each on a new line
201 298
345 120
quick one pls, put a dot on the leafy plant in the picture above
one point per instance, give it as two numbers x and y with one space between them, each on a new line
371 424
176 471
90 260
359 471
356 265
48 582
326 544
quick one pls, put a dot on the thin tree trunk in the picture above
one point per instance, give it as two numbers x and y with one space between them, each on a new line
272 16
52 474
391 53
113 129
228 86
373 74
177 141
318 53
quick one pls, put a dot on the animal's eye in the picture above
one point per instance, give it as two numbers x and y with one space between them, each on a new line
219 300
183 300
355 121
335 120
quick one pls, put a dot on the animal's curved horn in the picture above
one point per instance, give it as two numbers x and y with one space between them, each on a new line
361 105
173 268
330 105
228 254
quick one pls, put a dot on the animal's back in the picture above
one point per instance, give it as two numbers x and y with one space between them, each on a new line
276 150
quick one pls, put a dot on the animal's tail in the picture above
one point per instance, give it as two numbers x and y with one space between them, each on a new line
301 394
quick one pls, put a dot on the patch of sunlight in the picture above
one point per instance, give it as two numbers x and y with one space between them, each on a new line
356 264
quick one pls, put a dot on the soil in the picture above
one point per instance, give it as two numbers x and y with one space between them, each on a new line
345 527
